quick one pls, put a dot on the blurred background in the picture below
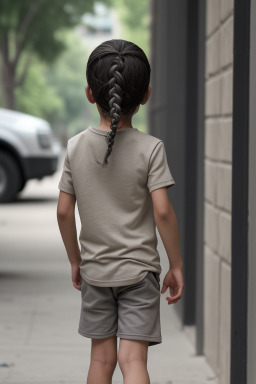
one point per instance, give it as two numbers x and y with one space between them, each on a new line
202 105
44 53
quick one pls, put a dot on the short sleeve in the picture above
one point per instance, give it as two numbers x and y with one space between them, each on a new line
66 183
159 174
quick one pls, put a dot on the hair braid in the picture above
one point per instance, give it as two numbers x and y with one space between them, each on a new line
116 84
118 73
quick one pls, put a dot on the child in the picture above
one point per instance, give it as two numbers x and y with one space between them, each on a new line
119 177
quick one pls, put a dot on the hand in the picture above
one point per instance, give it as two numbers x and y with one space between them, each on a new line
76 277
174 280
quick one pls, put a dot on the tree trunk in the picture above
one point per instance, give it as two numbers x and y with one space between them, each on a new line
8 76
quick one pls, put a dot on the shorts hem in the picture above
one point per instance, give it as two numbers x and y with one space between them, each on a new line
152 339
96 335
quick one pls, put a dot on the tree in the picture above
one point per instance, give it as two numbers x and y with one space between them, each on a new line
68 77
37 96
33 26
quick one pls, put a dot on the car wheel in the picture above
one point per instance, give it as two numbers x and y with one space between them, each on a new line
22 185
10 177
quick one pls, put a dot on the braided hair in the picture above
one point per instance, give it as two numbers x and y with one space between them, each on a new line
118 73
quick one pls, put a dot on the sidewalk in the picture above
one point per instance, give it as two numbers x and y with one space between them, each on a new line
40 308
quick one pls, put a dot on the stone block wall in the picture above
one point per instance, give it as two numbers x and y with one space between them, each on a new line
218 185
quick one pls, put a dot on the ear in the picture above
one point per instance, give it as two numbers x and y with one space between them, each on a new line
89 94
146 96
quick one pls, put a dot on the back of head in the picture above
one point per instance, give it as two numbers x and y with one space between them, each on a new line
118 73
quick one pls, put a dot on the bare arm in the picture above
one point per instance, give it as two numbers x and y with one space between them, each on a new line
167 226
67 225
166 222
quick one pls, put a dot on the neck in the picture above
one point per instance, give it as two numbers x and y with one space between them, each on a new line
123 123
105 124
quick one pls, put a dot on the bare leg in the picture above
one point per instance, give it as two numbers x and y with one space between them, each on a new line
103 360
132 359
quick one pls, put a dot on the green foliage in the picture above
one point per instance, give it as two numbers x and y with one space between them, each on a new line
56 91
135 21
30 27
37 96
33 24
54 85
67 76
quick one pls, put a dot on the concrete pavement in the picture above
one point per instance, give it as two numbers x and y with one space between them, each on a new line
40 309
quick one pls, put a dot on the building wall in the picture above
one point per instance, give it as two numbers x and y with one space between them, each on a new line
218 185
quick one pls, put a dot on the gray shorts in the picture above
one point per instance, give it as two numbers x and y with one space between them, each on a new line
129 312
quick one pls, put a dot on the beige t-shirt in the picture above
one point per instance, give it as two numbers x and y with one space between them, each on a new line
118 231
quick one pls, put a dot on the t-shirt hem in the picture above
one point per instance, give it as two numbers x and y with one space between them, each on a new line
166 183
115 283
65 189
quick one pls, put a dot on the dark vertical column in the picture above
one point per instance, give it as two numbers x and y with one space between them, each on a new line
199 200
167 107
251 334
239 276
176 115
190 154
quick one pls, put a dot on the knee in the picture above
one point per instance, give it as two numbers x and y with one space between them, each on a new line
104 352
108 362
125 358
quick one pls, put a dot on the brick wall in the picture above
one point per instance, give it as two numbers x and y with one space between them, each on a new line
218 185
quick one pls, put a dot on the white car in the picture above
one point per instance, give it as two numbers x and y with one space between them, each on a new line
28 150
